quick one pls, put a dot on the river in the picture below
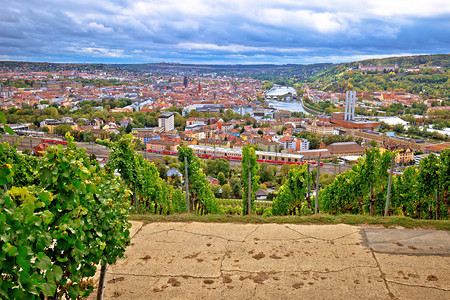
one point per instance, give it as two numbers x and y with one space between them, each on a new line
287 105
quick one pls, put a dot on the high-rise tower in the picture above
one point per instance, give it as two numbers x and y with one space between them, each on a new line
350 103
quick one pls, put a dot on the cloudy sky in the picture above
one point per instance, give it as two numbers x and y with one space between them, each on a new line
216 31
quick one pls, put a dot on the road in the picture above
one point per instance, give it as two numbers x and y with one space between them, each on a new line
103 152
280 261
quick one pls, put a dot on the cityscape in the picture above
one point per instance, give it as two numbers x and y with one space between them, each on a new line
217 110
250 150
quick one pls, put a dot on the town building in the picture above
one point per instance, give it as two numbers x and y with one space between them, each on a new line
145 136
215 143
337 120
167 121
345 149
261 194
302 145
404 156
437 148
385 139
52 123
174 173
379 68
316 153
320 127
125 121
6 92
347 118
189 140
160 145
287 142
266 145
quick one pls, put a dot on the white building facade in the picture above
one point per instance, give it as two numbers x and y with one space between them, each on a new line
167 121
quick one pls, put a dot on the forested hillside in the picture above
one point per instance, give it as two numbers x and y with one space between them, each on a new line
429 82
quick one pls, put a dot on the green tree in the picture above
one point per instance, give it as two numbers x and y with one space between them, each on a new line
167 159
226 191
201 196
177 200
249 158
292 193
284 171
428 179
179 121
267 173
340 196
236 186
62 129
23 167
214 167
51 112
215 188
405 193
141 176
221 178
162 169
374 170
444 178
129 128
373 143
222 165
151 190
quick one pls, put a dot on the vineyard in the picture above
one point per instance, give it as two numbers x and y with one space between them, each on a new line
234 206
62 214
421 192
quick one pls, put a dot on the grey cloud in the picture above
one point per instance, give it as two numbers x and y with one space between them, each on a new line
117 31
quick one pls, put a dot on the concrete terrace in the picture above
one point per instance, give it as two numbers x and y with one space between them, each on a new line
280 261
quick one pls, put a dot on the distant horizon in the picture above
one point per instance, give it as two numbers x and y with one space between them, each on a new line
221 32
220 64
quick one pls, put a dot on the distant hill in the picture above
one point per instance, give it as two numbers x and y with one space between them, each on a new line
260 71
316 73
49 67
428 82
437 60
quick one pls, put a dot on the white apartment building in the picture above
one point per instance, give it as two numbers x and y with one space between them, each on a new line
166 120
303 145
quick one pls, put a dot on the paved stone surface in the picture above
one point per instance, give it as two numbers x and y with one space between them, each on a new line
270 261
415 242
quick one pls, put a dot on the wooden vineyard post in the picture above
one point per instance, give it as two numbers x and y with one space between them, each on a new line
386 208
316 208
101 282
249 201
187 184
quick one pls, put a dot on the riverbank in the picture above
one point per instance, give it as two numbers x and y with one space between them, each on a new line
292 106
310 109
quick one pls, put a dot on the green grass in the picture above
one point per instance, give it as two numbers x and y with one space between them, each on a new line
238 202
388 222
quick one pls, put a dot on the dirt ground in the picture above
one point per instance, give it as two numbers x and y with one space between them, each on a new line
271 261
